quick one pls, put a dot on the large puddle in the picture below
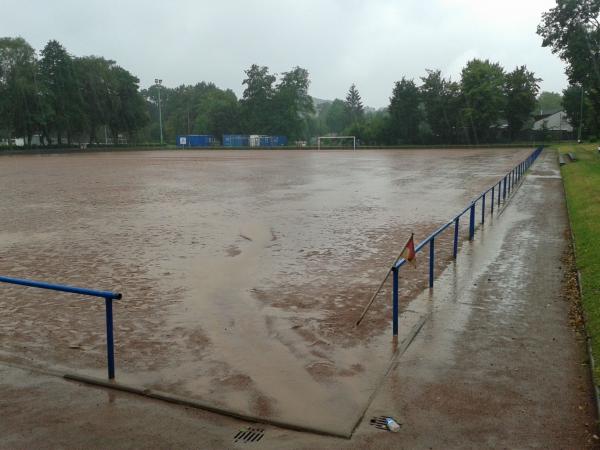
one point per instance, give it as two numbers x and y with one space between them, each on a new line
242 271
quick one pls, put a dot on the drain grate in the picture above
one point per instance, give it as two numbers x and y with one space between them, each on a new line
380 423
249 435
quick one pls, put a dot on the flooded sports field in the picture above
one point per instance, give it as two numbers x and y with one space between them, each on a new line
242 272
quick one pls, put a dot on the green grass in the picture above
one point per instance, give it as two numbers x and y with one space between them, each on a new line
582 186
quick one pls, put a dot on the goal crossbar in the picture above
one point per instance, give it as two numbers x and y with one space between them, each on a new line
336 137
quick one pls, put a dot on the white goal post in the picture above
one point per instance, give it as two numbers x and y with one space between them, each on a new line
336 137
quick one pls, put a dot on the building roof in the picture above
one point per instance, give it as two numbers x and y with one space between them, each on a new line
554 122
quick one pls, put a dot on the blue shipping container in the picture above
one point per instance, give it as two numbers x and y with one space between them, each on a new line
236 140
195 140
279 141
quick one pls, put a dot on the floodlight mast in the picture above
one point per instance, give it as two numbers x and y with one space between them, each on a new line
158 83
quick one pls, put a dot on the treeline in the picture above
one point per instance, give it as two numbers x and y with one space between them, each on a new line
269 105
63 98
60 97
488 104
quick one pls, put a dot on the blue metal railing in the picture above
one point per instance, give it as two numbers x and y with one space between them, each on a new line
106 295
504 187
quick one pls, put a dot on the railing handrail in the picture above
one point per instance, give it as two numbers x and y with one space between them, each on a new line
62 288
433 235
108 297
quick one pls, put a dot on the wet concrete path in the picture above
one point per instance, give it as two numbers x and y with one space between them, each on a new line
496 364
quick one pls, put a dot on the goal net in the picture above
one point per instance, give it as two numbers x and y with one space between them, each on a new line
336 142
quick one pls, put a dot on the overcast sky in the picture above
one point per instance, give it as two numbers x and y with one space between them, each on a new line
371 42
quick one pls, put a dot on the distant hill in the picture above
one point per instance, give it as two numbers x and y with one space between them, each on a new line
321 101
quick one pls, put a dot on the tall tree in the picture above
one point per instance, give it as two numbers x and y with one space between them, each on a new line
482 85
93 74
354 107
128 111
257 99
521 91
220 113
442 101
112 97
572 30
60 90
335 117
405 115
19 100
292 104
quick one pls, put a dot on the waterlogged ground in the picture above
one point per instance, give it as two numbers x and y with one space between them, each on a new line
242 272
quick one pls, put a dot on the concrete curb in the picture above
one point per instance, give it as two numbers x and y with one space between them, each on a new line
169 398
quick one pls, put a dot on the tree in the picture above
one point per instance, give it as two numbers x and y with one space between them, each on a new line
128 111
548 102
61 94
482 85
93 74
377 129
336 118
220 114
572 30
405 115
19 101
521 90
112 97
292 104
354 107
257 100
442 102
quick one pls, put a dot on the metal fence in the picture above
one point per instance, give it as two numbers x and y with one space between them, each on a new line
495 197
106 295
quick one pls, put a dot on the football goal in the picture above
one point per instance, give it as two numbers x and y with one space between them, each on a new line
337 141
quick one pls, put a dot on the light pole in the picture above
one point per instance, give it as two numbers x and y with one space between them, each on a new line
159 83
580 116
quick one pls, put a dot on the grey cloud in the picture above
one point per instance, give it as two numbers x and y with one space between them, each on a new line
371 43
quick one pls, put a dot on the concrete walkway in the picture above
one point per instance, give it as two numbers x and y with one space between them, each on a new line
496 364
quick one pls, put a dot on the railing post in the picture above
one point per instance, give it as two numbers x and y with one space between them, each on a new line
110 346
504 190
493 195
395 301
472 222
499 192
483 210
431 260
455 250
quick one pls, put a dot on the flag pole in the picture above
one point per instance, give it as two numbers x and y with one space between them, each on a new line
366 308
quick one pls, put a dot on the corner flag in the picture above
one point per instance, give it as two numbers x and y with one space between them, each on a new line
408 253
